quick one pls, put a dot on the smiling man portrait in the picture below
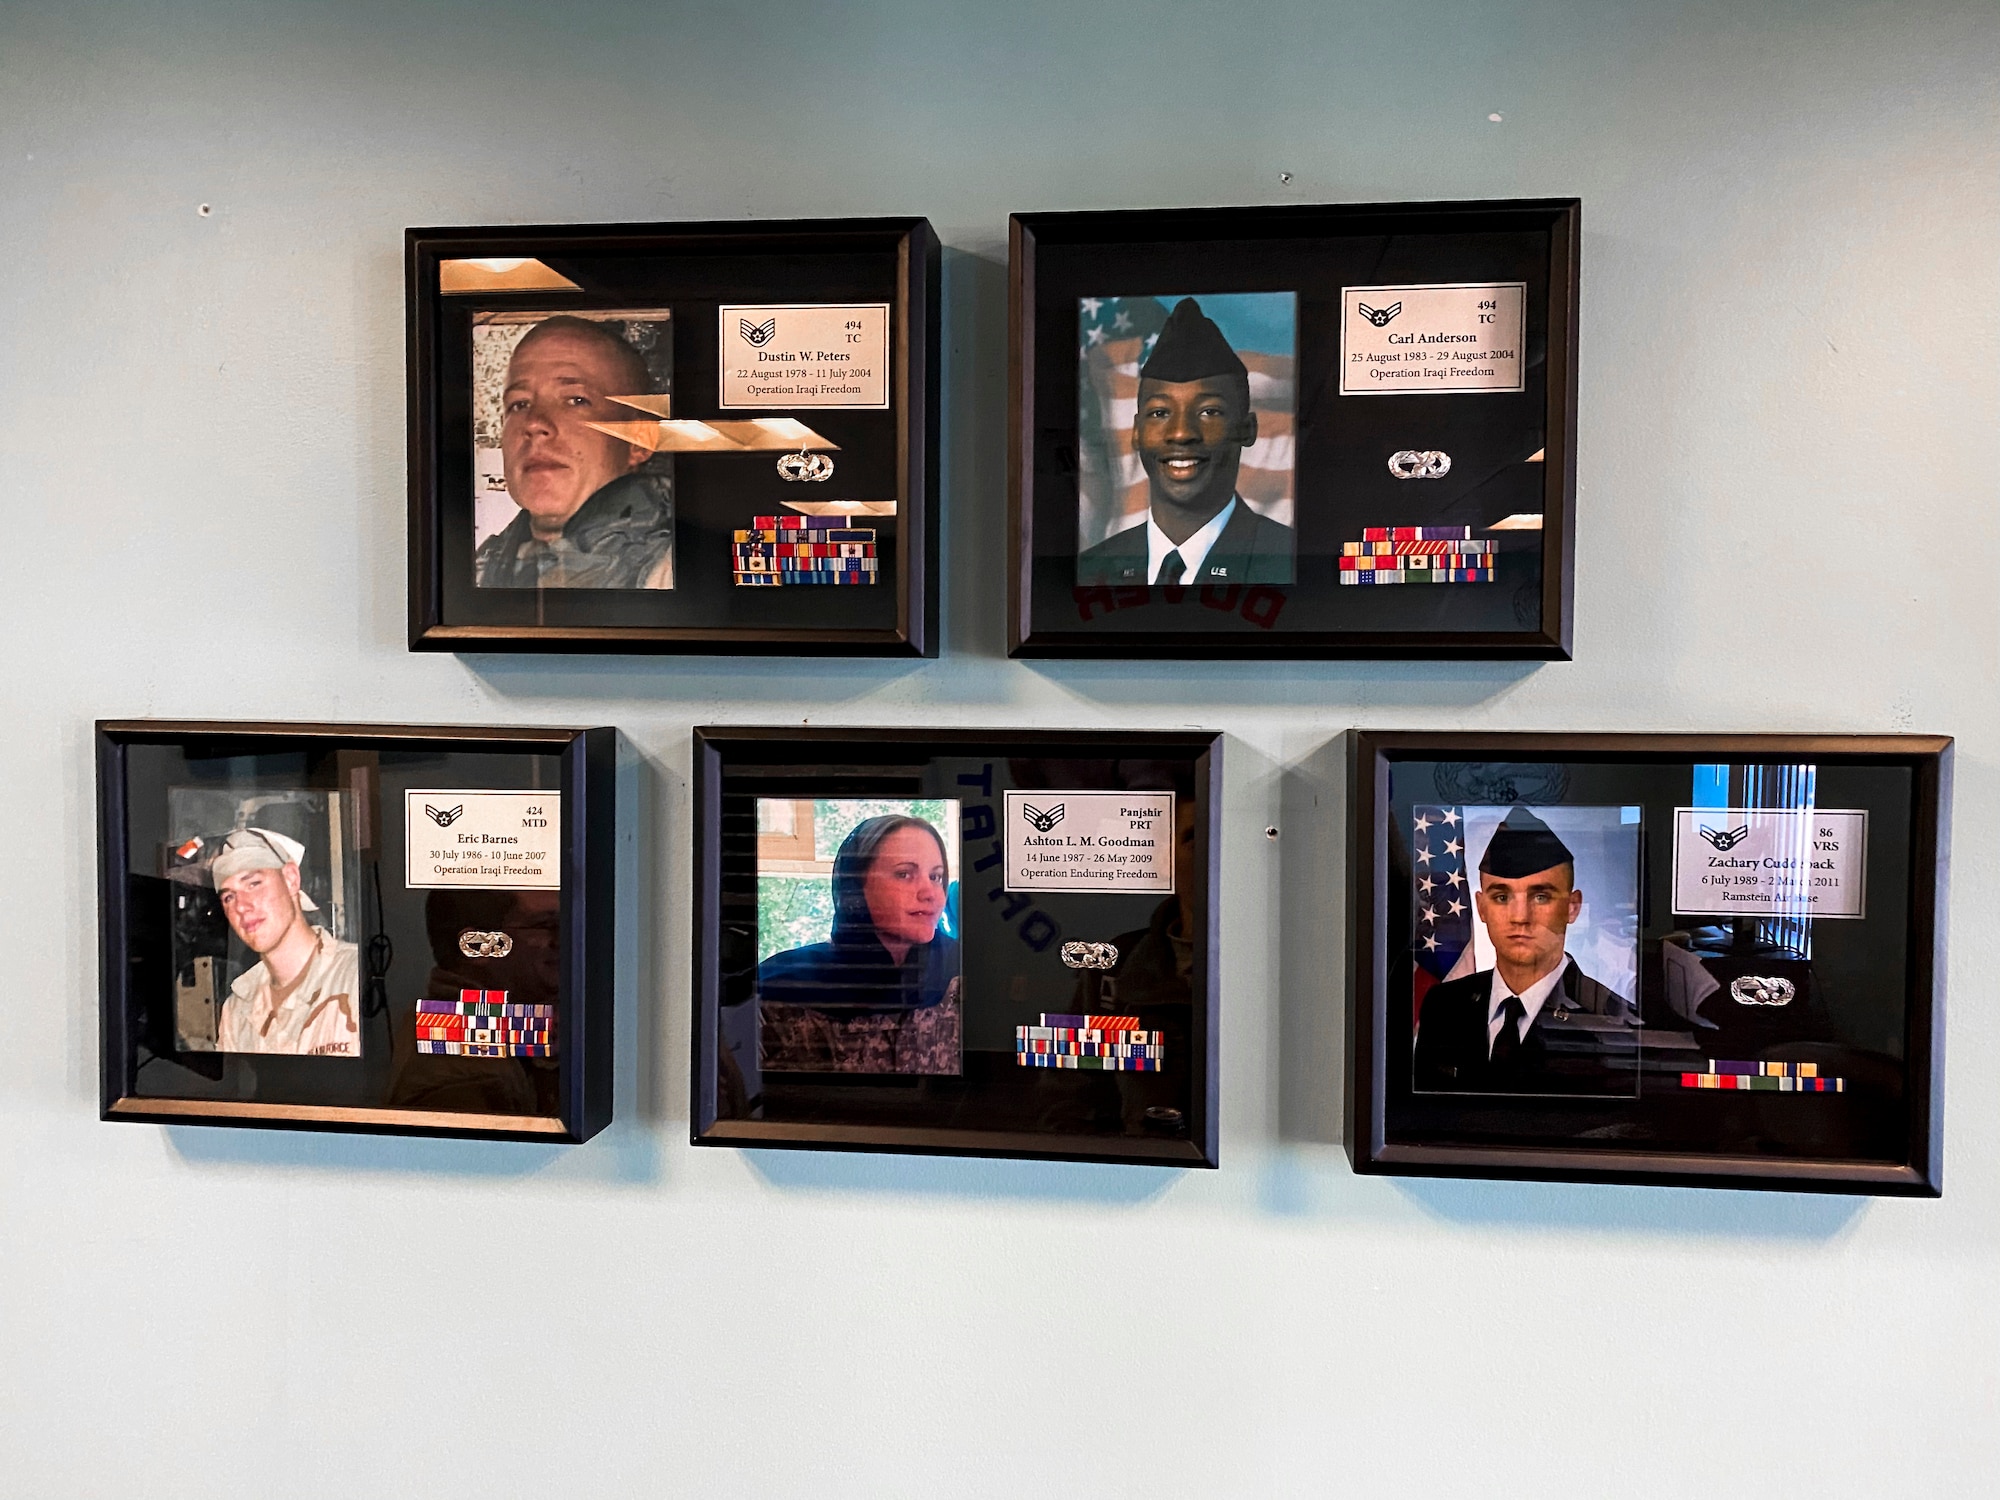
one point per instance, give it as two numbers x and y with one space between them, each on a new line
1192 422
589 518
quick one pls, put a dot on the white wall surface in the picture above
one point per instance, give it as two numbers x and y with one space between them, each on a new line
1791 317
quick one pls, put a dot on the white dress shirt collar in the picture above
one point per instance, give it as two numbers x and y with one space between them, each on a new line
1532 1001
1194 551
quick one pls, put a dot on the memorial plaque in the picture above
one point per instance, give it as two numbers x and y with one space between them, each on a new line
1432 340
358 927
1709 959
1298 431
971 942
707 437
790 356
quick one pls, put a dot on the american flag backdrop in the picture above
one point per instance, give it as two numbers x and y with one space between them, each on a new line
1440 897
1115 335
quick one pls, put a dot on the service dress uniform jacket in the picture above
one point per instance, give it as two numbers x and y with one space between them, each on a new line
1251 549
1555 1057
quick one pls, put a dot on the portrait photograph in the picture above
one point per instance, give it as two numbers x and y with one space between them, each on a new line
1525 945
1185 439
265 909
859 967
559 502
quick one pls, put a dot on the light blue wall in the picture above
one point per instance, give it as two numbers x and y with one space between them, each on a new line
1788 522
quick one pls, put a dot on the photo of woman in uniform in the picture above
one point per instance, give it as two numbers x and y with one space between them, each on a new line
880 992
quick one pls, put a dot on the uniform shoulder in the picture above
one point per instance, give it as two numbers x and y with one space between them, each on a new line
1465 991
1131 542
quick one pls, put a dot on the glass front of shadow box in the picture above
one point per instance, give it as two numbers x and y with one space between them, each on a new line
969 948
674 437
1702 957
338 928
1331 431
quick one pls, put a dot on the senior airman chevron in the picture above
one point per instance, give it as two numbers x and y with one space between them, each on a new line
1758 1084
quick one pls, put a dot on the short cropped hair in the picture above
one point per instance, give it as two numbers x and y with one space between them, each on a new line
631 363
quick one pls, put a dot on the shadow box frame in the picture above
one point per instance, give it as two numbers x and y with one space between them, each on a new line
716 747
1035 458
584 1062
1370 1152
908 242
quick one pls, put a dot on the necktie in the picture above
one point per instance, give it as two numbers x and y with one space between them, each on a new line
1171 568
1508 1042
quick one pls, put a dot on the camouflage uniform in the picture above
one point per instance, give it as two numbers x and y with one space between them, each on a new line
318 1015
622 537
921 1040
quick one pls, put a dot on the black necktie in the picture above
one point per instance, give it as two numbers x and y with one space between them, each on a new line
1171 569
1508 1042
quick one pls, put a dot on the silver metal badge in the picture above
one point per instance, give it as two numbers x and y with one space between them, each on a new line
1090 955
476 944
1749 989
1412 464
805 468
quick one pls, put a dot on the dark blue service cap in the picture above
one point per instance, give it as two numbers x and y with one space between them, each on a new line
1522 845
1191 347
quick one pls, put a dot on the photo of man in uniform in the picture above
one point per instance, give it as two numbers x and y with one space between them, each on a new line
1534 1023
588 518
1191 423
303 995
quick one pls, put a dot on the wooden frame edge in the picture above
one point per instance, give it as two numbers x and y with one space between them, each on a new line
1369 1153
1552 641
705 1128
586 758
917 359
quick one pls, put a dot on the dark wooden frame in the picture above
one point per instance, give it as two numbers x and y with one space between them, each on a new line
1562 217
715 746
1370 755
584 1062
913 398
